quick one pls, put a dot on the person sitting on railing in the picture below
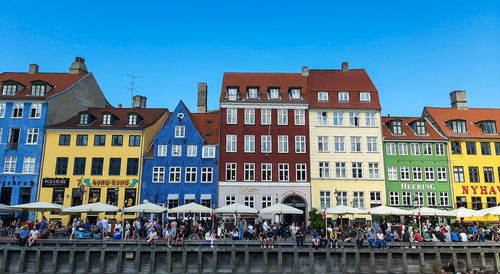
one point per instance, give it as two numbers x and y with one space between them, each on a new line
23 236
360 236
372 237
454 236
463 237
332 238
153 236
98 234
262 238
418 237
210 236
235 235
118 234
270 238
180 236
299 237
315 238
381 241
323 240
34 234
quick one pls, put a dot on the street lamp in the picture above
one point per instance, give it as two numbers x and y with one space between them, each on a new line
417 203
116 196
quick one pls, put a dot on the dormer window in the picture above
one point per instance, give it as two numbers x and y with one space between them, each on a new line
295 93
489 127
84 119
420 128
253 93
364 97
322 96
106 119
396 127
232 94
132 119
274 93
9 89
38 90
343 96
458 126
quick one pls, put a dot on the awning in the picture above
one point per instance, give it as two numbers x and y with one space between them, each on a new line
189 197
206 197
173 197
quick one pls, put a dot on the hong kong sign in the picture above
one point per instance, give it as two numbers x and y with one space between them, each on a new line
55 182
481 190
108 182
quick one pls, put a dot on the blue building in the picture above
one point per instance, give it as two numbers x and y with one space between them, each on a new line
180 167
29 101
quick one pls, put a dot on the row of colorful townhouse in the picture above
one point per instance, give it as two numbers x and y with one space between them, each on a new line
310 140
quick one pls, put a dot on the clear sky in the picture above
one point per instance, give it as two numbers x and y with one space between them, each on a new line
416 52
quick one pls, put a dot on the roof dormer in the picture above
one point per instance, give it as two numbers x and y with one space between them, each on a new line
86 118
273 93
134 119
295 94
108 119
253 93
232 93
395 126
11 87
418 127
457 126
40 88
488 127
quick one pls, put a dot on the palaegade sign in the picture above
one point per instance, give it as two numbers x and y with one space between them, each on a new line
418 186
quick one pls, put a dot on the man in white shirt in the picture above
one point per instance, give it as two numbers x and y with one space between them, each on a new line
463 237
266 226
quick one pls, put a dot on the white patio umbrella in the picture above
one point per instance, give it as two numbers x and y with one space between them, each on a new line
492 211
145 208
39 206
236 208
190 208
428 211
463 212
343 210
387 210
91 208
5 209
281 209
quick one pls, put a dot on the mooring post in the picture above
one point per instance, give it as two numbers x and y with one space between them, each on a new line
87 261
102 262
405 261
119 262
137 266
280 260
389 262
497 262
72 261
54 261
200 261
169 261
152 262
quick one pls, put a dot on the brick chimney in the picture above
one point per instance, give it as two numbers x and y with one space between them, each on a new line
459 99
139 101
305 71
78 66
345 66
33 69
202 97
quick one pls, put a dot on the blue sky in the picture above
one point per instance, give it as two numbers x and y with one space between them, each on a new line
415 52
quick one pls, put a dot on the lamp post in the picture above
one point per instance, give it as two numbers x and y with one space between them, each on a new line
416 203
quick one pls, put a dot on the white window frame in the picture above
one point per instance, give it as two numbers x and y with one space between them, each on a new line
406 198
338 118
440 149
324 169
32 136
444 198
405 173
370 119
266 116
231 167
429 174
208 152
106 119
231 116
390 148
392 173
249 201
132 119
38 111
300 117
359 167
274 93
417 173
266 201
403 148
372 144
20 109
282 117
180 131
339 143
192 151
393 198
323 144
373 170
343 96
158 174
231 143
266 172
10 164
253 93
323 96
431 199
415 148
266 145
249 144
176 150
283 172
358 199
324 198
249 116
3 107
300 144
162 150
365 97
354 119
282 143
441 174
29 164
342 198
295 93
176 172
322 118
230 199
301 172
249 172
419 197
427 148
207 172
355 144
190 174
340 170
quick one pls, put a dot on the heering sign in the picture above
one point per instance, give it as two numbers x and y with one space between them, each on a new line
480 189
418 186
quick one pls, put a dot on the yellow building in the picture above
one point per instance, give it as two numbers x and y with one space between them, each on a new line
346 155
96 156
474 152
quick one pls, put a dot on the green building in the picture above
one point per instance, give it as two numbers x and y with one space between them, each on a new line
416 164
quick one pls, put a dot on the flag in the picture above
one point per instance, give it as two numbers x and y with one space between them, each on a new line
419 213
324 214
213 211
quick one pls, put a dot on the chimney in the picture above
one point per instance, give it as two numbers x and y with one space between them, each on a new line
202 97
33 69
78 66
139 101
305 71
345 66
458 99
120 105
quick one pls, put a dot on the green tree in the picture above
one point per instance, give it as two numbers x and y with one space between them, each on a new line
316 220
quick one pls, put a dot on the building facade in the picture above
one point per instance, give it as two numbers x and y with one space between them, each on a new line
416 164
28 102
96 156
180 167
474 152
264 147
345 140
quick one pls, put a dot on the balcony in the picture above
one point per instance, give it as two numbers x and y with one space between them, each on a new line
12 146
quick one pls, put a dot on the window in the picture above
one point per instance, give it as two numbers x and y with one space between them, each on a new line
300 144
355 144
324 199
420 128
158 174
231 143
322 96
134 140
9 89
429 173
132 166
230 171
82 140
249 169
253 93
415 148
489 176
249 201
339 143
417 173
17 110
162 150
474 174
300 117
266 201
358 200
477 203
36 111
132 119
38 90
207 174
461 201
392 173
301 172
282 144
342 198
175 175
338 118
232 116
283 172
282 117
79 166
419 197
99 140
274 93
393 198
249 116
370 119
84 119
117 140
340 170
489 127
485 148
431 198
406 198
343 96
2 109
439 149
456 148
322 118
357 170
266 172
458 126
115 165
323 143
458 172
64 139
265 116
232 94
390 148
29 164
364 97
427 148
354 118
208 152
373 172
324 170
192 150
396 127
106 119
491 201
470 147
97 166
444 199
405 173
61 165
177 150
180 131
403 148
190 175
265 144
441 172
497 148
230 199
32 138
375 199
372 144
249 143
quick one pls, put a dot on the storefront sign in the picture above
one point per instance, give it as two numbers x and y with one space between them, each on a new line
109 183
246 189
55 182
481 190
418 186
130 196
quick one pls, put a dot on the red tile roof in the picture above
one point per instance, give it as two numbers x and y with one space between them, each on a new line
60 82
472 116
353 81
408 132
264 81
149 116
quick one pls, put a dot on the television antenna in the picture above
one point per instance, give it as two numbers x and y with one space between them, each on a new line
132 87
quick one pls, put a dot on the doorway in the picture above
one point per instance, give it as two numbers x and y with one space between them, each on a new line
299 203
